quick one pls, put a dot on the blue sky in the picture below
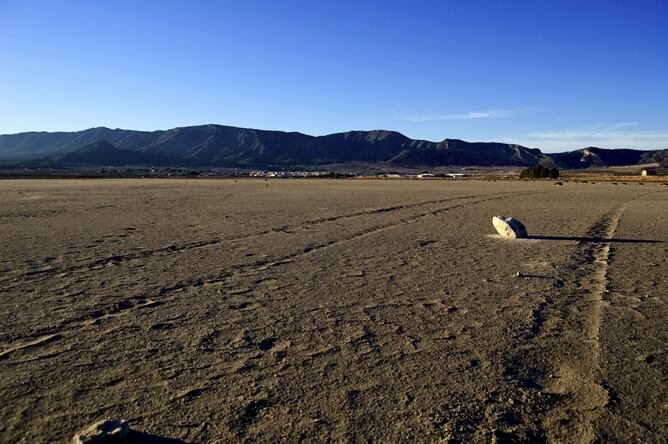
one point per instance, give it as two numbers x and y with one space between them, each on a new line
551 74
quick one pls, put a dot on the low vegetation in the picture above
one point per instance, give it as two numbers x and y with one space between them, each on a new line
539 172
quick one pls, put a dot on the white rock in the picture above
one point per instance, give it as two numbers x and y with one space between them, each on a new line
108 431
509 227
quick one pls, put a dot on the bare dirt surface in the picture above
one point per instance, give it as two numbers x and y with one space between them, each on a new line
223 310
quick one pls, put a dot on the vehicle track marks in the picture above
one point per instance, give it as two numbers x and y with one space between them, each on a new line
557 366
47 272
170 249
160 293
71 326
27 343
263 265
576 319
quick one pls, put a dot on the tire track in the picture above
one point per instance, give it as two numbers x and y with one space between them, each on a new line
581 381
600 286
156 296
263 265
117 259
27 343
593 390
31 275
71 326
563 356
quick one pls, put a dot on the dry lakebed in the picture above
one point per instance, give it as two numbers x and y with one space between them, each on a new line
333 310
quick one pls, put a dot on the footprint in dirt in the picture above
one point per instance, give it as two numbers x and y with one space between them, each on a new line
278 348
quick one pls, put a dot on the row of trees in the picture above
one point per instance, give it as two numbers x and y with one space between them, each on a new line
540 172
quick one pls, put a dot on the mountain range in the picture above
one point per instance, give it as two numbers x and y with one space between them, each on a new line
226 146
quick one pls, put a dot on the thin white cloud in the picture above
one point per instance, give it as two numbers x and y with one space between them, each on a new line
491 114
618 135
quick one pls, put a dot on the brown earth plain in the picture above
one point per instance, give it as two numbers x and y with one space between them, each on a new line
324 310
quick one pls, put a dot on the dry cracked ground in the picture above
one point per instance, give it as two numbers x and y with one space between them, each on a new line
316 310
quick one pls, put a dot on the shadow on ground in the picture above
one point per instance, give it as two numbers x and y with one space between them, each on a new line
596 240
136 437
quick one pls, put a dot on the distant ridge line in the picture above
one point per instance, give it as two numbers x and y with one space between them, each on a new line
214 145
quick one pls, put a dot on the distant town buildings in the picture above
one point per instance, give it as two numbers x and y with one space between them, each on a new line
647 172
288 174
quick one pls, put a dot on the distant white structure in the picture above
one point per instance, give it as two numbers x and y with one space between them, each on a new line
424 175
646 173
454 174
